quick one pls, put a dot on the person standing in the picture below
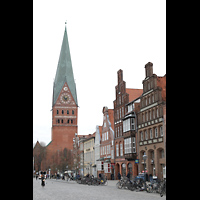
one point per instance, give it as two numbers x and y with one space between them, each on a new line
119 176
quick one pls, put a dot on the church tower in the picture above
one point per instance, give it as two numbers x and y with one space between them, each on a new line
64 102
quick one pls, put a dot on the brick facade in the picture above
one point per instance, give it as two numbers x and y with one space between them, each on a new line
151 124
123 97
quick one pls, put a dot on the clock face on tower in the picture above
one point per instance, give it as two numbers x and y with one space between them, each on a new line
65 98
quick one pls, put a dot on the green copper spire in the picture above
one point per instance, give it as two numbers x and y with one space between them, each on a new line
64 72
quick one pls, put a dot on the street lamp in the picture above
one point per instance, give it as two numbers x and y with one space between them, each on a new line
144 158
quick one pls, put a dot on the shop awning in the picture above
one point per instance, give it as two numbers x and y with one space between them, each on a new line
107 160
100 159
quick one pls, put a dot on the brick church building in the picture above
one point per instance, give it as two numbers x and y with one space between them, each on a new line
64 112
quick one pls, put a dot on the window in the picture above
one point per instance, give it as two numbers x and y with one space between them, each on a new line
162 154
161 131
146 116
141 136
117 150
120 113
152 155
57 112
71 121
156 132
108 149
62 111
107 135
121 149
62 121
58 121
105 150
102 136
72 112
132 123
149 115
146 135
112 154
127 145
107 167
157 113
117 114
67 111
151 134
126 125
153 114
143 117
118 131
130 108
146 101
134 146
152 98
149 100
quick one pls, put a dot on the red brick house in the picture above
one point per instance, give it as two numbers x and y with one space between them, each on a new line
123 96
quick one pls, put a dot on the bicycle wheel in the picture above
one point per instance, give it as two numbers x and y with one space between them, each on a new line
119 185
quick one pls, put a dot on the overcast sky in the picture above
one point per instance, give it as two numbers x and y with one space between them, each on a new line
104 36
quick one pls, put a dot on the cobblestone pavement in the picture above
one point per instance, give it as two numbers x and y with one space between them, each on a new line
59 190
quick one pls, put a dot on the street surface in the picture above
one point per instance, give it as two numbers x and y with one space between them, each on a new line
59 190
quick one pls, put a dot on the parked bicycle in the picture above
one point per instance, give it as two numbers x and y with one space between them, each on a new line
153 186
162 188
90 180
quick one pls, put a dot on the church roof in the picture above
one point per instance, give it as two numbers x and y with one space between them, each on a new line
64 71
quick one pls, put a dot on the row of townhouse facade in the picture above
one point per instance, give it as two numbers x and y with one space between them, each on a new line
132 137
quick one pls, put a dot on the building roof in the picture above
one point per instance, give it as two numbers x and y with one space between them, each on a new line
64 71
134 93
